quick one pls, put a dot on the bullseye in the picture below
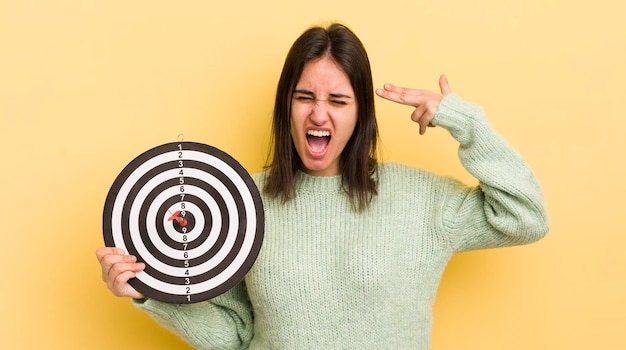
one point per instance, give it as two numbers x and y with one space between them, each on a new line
192 214
184 222
181 221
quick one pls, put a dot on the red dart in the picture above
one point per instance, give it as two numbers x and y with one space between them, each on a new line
174 216
180 220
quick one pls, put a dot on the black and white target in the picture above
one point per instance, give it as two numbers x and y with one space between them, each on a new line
192 214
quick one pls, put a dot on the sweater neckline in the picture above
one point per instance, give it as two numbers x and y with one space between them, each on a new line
317 184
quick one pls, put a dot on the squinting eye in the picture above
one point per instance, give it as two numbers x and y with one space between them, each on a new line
303 98
338 102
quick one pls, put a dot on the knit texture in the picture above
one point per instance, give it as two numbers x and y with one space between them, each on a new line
330 278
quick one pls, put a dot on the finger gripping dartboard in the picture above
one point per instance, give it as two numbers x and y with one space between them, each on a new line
192 214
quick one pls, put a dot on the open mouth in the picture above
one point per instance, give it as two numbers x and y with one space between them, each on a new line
317 140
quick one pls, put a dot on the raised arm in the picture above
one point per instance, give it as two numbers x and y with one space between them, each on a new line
507 207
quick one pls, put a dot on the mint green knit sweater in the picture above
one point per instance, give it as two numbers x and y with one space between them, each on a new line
330 278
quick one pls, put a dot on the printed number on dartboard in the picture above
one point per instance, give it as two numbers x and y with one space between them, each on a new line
183 213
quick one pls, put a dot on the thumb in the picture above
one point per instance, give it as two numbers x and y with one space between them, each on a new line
443 85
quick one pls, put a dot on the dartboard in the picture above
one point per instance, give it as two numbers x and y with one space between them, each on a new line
192 214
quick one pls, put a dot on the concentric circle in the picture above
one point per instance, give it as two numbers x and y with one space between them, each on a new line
192 214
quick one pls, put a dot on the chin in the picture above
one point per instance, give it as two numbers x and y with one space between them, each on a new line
319 170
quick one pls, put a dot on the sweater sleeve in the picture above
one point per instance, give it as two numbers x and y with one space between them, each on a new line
507 207
224 322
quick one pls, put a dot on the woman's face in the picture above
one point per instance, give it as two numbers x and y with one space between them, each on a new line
323 116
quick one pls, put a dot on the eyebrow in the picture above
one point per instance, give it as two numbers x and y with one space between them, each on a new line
310 93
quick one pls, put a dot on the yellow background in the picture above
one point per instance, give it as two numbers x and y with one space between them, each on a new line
85 86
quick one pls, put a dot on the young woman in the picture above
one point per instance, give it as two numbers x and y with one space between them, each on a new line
353 249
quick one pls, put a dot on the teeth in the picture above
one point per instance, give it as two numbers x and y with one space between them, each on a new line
318 133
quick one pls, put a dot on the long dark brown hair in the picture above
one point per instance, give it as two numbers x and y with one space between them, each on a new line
358 161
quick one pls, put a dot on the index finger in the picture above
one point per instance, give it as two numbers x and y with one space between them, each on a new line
406 96
104 251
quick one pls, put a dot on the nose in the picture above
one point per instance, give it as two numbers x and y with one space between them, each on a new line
319 112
